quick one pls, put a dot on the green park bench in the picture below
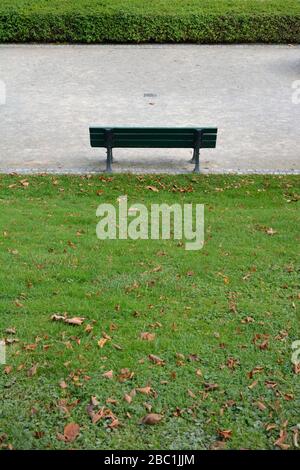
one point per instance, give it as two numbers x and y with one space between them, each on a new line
153 137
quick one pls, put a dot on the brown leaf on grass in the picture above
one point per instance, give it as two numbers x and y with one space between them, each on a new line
153 188
256 370
102 413
270 384
128 398
57 317
191 394
10 331
71 432
199 373
264 345
209 387
261 406
270 231
111 401
232 363
88 328
156 360
106 336
156 269
125 374
63 384
115 423
296 436
147 336
193 358
151 419
265 341
95 417
253 384
270 427
297 368
94 401
65 319
7 369
11 341
108 375
102 342
248 320
75 320
145 390
30 347
32 371
281 440
225 434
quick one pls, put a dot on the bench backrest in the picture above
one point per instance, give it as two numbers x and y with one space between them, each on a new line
153 137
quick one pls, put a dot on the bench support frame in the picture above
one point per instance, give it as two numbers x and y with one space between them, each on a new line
109 149
196 153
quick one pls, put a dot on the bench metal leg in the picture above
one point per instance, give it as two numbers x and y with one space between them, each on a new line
109 160
197 158
193 158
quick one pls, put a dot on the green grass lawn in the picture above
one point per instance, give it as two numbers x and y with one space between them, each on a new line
136 21
222 319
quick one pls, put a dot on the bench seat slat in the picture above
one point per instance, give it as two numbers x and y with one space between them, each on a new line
206 143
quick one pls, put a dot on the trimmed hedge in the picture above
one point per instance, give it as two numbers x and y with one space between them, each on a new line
123 27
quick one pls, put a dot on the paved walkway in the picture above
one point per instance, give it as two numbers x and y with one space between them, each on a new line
54 92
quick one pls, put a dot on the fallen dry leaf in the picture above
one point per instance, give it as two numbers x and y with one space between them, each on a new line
63 384
147 336
152 188
74 320
108 375
125 374
281 440
10 331
151 419
32 371
157 360
144 390
102 342
226 434
7 369
209 387
270 231
191 394
297 368
127 398
57 317
71 431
